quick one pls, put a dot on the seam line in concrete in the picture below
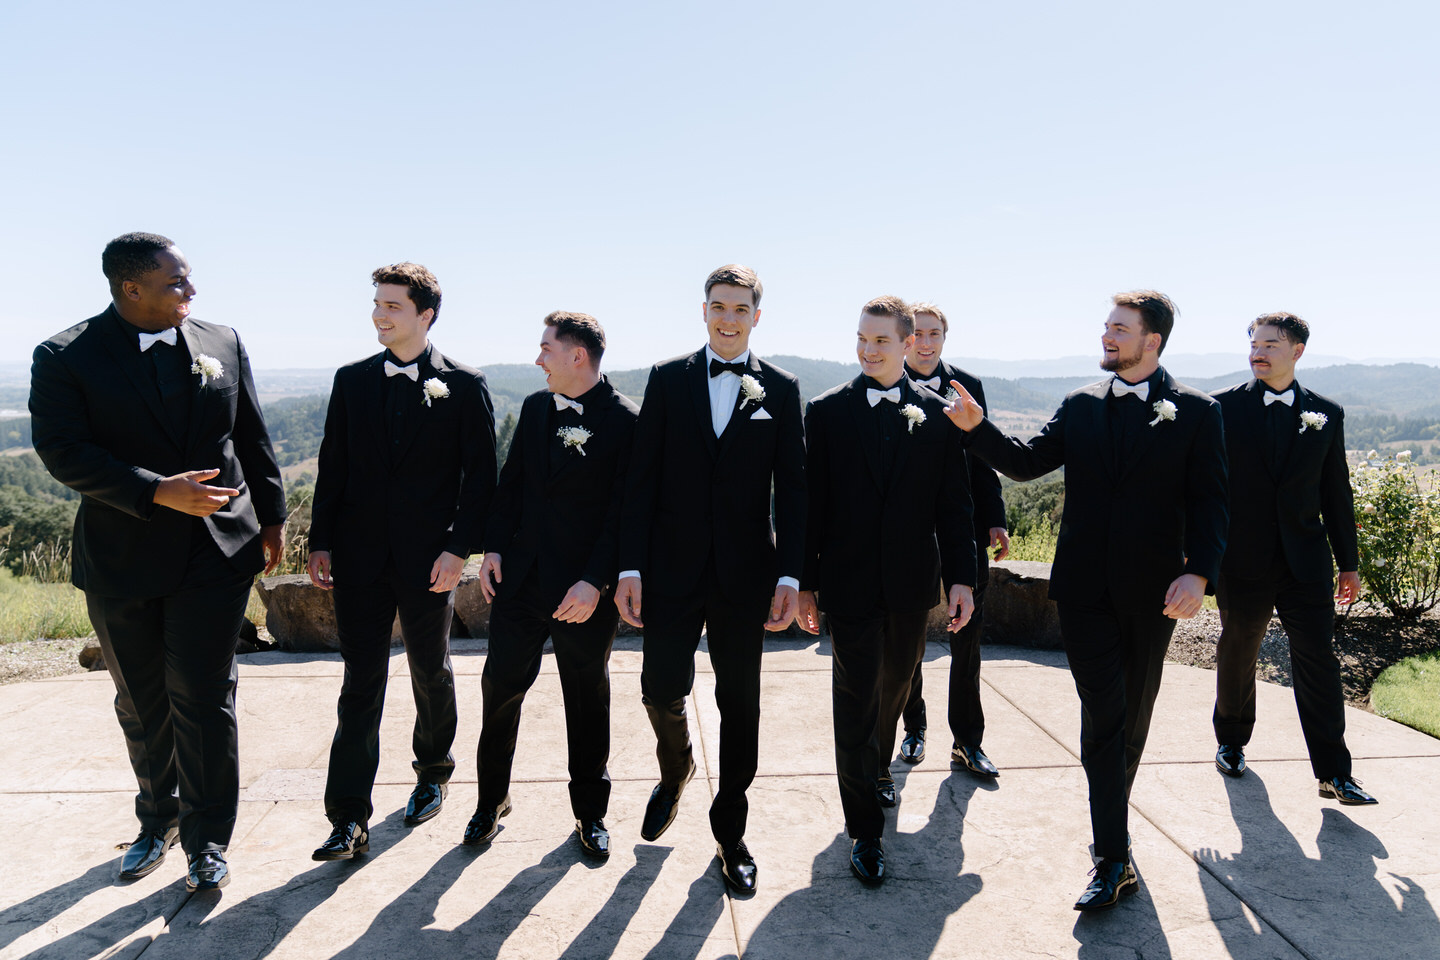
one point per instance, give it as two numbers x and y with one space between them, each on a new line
705 758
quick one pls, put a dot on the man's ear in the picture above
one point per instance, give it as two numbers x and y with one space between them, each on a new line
131 290
429 317
1299 350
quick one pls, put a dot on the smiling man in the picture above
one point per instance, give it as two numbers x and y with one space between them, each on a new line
1141 537
717 430
550 564
406 474
152 416
890 522
1291 505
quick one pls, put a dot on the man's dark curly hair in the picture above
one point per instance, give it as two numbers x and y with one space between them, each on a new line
131 256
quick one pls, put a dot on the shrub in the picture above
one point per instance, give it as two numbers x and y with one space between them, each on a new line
1398 525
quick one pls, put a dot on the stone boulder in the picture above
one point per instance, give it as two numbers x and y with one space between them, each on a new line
1017 610
90 656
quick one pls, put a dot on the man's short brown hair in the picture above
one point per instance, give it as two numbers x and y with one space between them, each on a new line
1291 327
579 330
424 288
737 276
1157 311
925 306
894 307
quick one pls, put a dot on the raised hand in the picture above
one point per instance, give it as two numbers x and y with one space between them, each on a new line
963 411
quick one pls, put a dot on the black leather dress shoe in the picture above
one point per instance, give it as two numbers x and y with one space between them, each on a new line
594 838
737 866
208 871
347 839
1347 791
885 792
485 824
425 802
1112 880
146 853
867 861
912 748
664 803
973 760
1230 760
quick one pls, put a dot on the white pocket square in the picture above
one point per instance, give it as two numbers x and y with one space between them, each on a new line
761 414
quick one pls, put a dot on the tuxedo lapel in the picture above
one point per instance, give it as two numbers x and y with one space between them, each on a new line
371 406
199 395
699 378
866 432
138 370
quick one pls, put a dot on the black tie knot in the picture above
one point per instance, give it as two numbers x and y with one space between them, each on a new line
718 367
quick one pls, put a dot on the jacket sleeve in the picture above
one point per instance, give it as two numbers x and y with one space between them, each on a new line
61 435
332 469
477 487
985 484
955 517
603 565
254 451
504 518
642 480
791 496
818 507
1021 459
1337 501
1207 503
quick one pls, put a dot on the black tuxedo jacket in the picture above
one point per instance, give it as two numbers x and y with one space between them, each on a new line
430 497
689 493
1127 530
101 429
1307 505
984 484
562 519
873 541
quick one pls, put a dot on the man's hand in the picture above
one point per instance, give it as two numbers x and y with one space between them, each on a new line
809 612
1183 599
627 598
446 572
962 605
489 566
1347 588
783 607
186 493
963 411
1000 537
272 539
578 603
318 566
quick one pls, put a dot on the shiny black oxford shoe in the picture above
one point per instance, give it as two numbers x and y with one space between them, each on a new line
483 827
208 871
424 803
146 853
662 806
1230 760
912 748
737 866
1347 791
867 861
347 839
1113 880
594 838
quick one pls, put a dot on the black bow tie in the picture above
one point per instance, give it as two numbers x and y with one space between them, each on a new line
718 367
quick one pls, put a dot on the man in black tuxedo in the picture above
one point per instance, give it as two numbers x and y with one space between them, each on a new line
555 522
717 428
966 715
1141 538
1290 506
139 408
406 474
890 520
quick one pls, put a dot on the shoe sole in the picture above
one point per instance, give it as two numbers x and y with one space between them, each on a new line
1331 795
141 874
1230 772
324 857
202 887
674 811
416 821
494 831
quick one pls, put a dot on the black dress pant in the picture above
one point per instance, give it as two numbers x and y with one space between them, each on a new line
966 715
1307 611
173 662
1115 660
874 659
735 633
519 627
364 615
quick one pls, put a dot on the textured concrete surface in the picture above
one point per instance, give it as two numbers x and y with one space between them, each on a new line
1253 868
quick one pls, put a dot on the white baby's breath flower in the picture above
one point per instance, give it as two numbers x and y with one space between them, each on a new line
914 414
208 367
1372 455
751 390
1368 508
574 438
1403 456
435 389
1311 420
1164 410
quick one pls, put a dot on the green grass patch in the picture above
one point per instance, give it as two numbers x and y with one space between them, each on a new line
1039 546
1409 693
30 610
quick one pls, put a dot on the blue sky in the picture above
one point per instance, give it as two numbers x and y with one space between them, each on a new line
1016 163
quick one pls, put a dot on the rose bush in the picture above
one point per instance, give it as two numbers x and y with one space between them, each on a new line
1398 526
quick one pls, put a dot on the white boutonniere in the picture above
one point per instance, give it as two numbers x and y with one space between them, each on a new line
914 414
1164 410
208 367
574 438
751 390
1311 420
950 395
435 389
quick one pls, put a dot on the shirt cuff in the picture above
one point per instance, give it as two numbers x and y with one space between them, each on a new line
790 582
627 574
